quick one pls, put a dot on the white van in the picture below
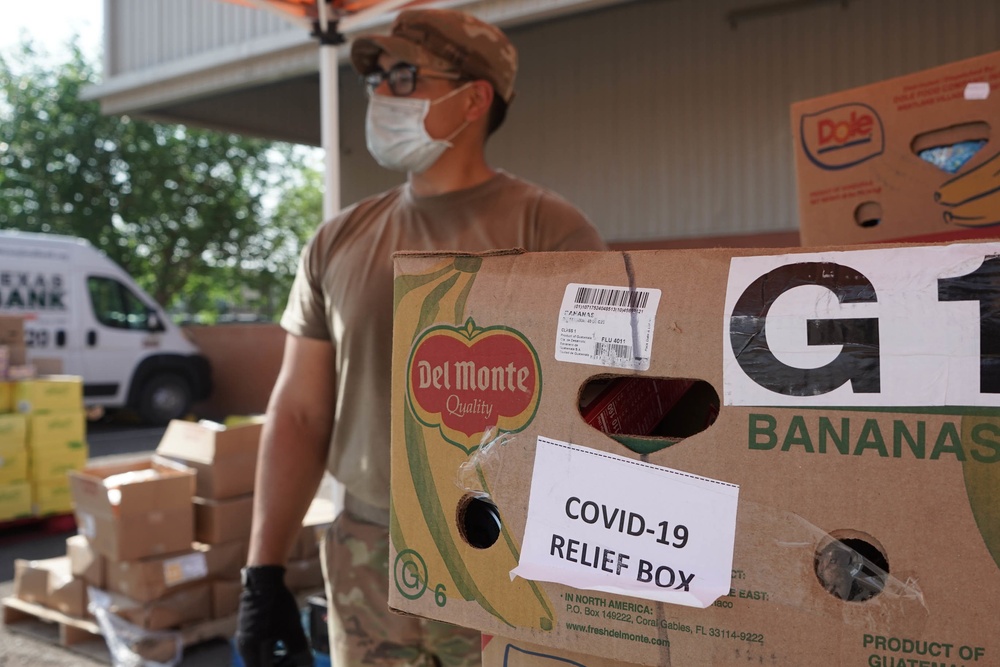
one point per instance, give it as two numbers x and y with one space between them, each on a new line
83 309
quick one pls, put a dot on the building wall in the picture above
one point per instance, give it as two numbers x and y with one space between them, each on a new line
662 121
659 118
245 359
151 33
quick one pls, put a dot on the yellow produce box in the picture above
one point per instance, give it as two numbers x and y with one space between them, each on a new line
13 462
49 394
52 497
15 500
61 426
13 429
238 420
53 460
6 396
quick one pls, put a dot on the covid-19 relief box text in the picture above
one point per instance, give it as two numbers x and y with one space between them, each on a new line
842 508
911 158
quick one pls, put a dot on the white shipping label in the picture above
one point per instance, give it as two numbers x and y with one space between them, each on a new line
605 325
916 326
601 522
184 568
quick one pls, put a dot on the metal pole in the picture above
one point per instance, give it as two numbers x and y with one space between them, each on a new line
329 98
329 112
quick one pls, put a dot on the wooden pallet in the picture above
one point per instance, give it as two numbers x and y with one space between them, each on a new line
52 627
83 636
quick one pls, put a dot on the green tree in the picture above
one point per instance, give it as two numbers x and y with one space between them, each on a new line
180 208
295 217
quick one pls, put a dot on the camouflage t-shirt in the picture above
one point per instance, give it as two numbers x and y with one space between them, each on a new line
343 293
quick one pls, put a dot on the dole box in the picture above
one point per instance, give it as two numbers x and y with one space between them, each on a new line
915 157
841 507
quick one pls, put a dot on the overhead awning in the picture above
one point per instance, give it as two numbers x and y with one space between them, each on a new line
258 78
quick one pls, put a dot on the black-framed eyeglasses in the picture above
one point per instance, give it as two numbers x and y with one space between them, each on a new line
402 78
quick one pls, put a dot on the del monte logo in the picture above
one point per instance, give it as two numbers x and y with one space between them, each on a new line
842 136
464 380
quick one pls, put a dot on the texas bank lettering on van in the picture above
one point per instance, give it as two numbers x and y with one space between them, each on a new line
83 310
22 289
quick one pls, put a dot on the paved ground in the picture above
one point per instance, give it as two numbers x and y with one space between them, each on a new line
18 651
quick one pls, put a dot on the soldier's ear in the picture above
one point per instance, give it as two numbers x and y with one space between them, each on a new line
480 100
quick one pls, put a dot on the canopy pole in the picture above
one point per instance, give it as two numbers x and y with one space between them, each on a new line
329 75
328 33
329 36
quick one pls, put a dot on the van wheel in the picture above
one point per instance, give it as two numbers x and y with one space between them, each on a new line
164 397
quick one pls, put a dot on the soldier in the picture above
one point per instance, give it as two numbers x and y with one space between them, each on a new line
439 84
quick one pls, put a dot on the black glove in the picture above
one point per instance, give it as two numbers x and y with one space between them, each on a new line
269 615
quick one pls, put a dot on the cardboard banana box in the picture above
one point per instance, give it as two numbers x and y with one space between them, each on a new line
915 158
843 507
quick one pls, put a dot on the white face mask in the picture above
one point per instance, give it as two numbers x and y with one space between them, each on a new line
396 136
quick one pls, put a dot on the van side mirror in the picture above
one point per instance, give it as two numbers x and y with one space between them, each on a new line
153 322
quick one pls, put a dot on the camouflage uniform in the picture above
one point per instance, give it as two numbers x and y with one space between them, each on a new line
362 629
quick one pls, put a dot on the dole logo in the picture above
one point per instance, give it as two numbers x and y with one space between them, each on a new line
465 380
842 136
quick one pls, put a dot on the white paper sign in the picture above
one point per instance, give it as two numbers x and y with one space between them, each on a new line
913 326
606 325
602 522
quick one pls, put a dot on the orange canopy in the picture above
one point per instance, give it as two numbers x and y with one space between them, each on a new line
309 9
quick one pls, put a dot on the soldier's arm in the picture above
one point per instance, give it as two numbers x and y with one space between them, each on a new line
293 448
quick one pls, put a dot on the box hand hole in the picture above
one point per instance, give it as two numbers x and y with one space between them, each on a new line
852 568
949 148
868 214
478 521
648 414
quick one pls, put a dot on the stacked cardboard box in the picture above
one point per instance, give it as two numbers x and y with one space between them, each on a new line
42 432
859 427
126 513
225 461
15 489
136 542
167 557
55 436
225 458
51 583
13 353
907 158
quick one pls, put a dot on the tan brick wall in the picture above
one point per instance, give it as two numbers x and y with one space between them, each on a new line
245 359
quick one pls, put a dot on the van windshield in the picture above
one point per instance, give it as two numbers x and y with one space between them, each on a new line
115 305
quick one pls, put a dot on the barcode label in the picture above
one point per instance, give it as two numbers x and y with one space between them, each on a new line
616 298
613 350
607 325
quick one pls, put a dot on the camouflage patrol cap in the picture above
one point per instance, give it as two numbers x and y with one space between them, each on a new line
445 40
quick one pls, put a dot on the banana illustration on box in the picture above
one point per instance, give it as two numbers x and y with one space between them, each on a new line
982 479
450 353
973 199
